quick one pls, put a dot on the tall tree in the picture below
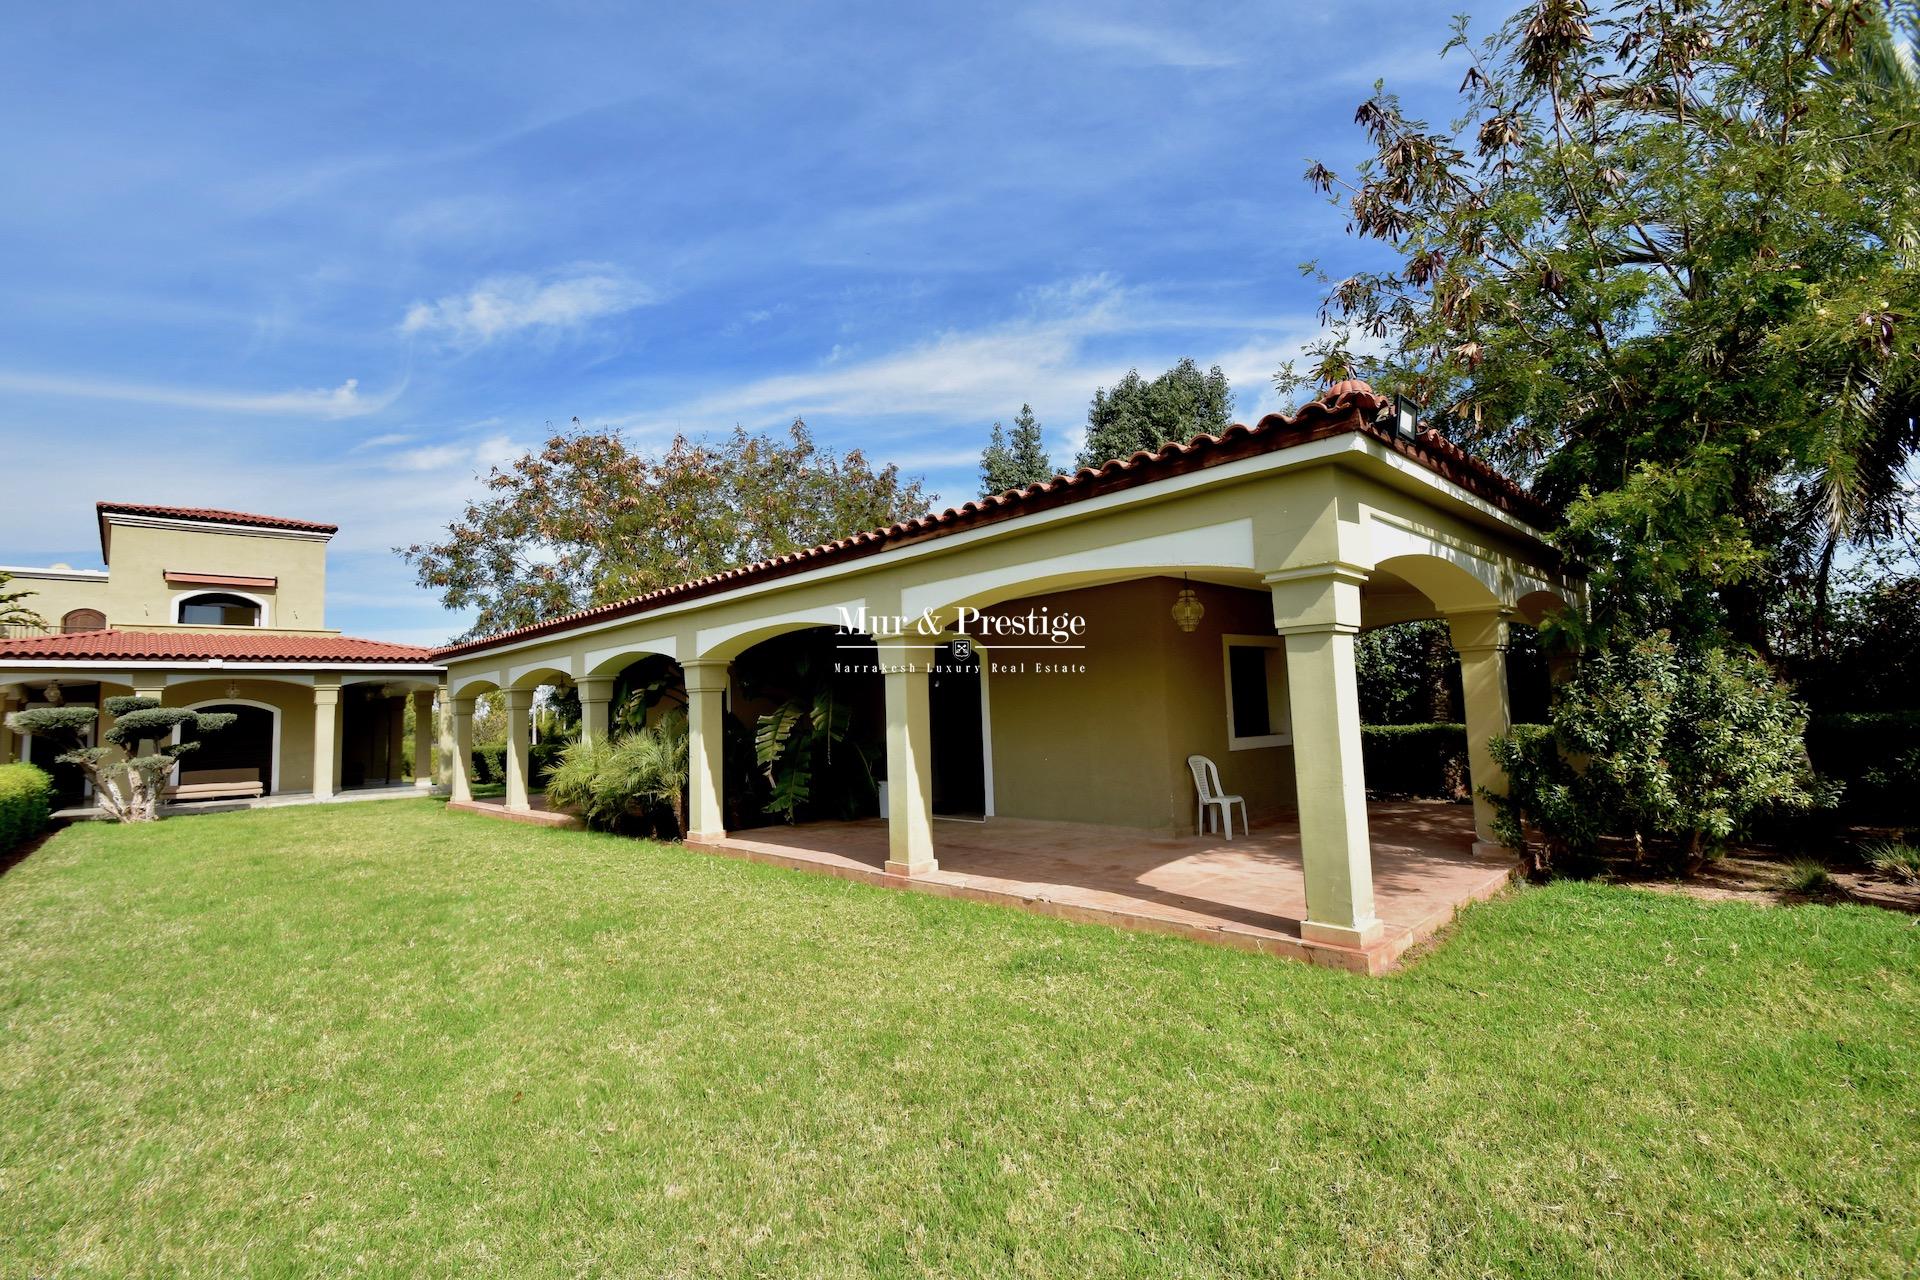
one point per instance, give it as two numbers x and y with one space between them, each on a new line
1018 461
1662 265
1137 414
587 519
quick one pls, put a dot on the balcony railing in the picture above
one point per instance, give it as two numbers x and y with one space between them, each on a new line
26 631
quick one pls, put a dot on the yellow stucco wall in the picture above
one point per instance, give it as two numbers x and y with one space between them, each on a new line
139 595
1110 744
53 597
294 703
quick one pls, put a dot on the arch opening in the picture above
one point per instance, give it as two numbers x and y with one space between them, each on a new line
219 609
245 753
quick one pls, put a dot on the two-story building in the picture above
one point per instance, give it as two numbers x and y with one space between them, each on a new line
220 611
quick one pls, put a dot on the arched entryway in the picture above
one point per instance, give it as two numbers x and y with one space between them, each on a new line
246 751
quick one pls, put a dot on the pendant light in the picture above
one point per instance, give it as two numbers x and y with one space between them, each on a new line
1187 609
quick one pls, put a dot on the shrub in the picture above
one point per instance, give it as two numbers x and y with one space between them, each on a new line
638 780
26 800
574 782
1894 859
1804 875
1671 751
542 758
1415 759
490 762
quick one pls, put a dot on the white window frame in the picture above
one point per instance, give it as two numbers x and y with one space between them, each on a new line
1279 700
183 598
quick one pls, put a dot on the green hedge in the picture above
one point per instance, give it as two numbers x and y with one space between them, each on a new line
543 758
1415 759
490 761
1425 760
26 799
1876 755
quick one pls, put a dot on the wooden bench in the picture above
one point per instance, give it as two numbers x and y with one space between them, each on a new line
216 784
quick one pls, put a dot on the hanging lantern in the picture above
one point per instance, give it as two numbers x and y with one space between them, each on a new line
1187 609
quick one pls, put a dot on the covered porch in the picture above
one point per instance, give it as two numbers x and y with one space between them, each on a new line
298 736
1063 661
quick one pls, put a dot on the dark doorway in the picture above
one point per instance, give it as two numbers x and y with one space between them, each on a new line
243 747
70 788
959 769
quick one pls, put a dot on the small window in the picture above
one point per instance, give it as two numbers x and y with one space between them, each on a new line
218 610
83 620
1256 671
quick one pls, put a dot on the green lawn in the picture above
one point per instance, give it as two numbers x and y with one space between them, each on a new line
382 1039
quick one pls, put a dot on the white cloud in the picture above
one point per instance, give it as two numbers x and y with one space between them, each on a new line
343 401
1134 42
477 456
503 305
383 441
1052 358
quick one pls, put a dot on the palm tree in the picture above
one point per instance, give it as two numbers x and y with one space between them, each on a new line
1861 492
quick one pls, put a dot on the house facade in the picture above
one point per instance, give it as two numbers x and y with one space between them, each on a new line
1060 653
220 610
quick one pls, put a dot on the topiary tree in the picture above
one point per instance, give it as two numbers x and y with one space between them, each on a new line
127 783
1670 751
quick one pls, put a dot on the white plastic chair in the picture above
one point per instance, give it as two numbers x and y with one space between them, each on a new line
1206 780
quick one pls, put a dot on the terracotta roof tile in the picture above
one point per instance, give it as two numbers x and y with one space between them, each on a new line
199 646
1350 406
213 515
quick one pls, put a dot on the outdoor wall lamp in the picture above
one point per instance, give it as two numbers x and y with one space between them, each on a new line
1406 417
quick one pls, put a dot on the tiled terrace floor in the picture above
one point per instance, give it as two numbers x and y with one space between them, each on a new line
1248 892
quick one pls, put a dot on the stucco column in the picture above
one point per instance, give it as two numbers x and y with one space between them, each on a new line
519 704
326 748
596 703
443 735
425 729
1480 638
1317 610
459 750
909 758
706 742
396 737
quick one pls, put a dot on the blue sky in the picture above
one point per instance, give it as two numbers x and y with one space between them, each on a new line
332 262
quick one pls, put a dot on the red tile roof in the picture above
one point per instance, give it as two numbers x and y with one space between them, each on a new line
212 515
200 646
1350 406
